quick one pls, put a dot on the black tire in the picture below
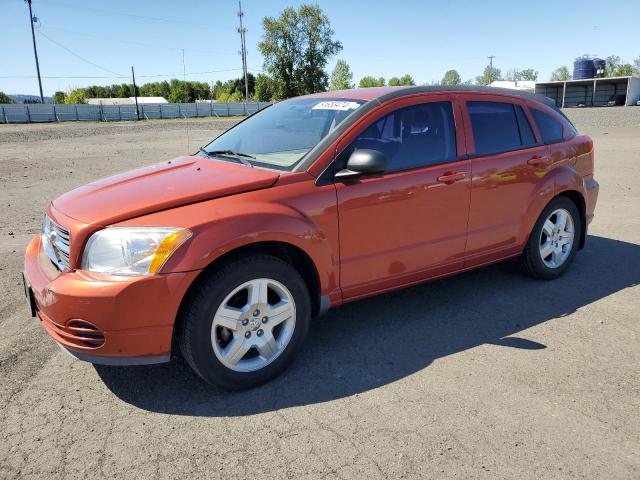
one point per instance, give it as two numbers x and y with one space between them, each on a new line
198 315
531 262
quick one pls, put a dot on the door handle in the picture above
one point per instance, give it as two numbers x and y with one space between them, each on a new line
538 161
451 177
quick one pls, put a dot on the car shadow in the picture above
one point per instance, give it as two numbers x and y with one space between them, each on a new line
366 344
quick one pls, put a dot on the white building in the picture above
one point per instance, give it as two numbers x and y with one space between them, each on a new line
523 85
125 100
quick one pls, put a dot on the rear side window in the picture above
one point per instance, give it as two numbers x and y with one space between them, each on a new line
495 127
412 137
526 133
550 128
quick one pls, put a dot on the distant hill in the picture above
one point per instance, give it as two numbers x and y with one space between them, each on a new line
19 98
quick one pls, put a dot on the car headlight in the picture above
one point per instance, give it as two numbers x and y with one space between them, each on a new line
132 250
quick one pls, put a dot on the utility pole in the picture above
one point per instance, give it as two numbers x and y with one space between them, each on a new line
35 49
184 68
135 93
491 57
243 52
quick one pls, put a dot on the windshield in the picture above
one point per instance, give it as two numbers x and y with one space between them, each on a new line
280 135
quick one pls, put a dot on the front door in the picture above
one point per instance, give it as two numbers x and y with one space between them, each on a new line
410 222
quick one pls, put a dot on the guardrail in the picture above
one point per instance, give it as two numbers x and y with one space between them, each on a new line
43 113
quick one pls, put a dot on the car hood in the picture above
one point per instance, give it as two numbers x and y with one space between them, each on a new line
159 187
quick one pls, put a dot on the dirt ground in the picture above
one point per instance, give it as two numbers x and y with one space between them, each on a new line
483 375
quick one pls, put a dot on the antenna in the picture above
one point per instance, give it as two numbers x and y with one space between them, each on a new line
243 51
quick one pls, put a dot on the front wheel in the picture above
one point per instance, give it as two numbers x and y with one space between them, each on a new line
246 321
554 240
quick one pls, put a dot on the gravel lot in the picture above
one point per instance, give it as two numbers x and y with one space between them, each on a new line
487 374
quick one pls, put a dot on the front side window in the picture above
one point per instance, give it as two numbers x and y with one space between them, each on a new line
411 137
282 134
550 128
495 127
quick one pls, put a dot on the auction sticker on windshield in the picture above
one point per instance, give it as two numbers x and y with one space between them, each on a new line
336 105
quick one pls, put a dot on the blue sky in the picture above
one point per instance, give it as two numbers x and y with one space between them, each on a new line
422 38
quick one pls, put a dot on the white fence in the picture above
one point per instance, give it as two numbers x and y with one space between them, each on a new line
38 113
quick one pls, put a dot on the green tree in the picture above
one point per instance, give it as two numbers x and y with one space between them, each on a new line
179 92
402 81
266 88
636 67
58 97
561 73
489 75
4 98
77 95
623 70
612 65
296 47
156 89
407 80
529 74
451 77
370 81
341 77
513 75
232 88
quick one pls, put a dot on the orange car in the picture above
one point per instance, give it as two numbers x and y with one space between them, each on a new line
226 255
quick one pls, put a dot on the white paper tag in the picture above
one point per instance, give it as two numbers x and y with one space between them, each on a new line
336 105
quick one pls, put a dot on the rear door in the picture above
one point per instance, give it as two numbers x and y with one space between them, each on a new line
508 161
410 222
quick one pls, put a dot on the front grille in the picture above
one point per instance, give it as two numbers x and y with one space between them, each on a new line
56 242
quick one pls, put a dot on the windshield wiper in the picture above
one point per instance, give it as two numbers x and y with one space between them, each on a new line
241 157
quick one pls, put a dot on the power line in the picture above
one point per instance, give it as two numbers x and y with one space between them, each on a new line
128 42
78 56
133 15
159 75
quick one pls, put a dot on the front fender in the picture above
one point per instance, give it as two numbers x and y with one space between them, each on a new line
223 225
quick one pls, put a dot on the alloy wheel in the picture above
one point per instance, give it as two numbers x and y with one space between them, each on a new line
253 325
557 238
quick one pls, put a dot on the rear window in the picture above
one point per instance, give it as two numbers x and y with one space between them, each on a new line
550 128
495 127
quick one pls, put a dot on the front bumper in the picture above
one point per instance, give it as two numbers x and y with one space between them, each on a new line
102 318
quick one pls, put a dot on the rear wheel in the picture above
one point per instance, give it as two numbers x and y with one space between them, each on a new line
246 322
554 240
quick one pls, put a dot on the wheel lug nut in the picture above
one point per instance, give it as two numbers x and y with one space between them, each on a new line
247 334
256 313
259 332
245 322
265 319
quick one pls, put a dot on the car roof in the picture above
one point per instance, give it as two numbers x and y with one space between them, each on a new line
382 94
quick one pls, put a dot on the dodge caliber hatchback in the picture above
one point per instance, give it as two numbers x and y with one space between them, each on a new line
226 255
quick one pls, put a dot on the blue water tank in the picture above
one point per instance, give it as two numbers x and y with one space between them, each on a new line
598 67
583 68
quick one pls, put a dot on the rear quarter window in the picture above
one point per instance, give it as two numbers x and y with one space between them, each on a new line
550 128
526 133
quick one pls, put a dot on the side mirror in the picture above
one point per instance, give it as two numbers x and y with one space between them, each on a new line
363 162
